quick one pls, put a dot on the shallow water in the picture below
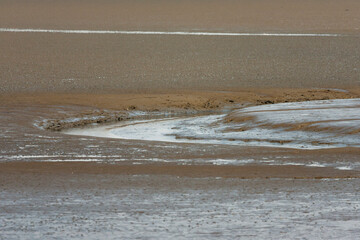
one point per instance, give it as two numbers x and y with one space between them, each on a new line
112 207
328 124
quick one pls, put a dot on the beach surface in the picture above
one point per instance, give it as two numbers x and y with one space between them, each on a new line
57 185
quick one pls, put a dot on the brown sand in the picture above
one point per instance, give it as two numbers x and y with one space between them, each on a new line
42 62
54 76
102 63
197 100
34 62
224 15
195 171
38 71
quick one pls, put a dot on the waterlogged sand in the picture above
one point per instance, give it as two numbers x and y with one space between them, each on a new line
87 187
54 185
112 206
310 125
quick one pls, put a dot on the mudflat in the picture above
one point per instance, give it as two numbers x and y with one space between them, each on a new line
57 185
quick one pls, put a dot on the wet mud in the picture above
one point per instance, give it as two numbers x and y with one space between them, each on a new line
54 185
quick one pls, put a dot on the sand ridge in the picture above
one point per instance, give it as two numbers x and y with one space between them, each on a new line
174 102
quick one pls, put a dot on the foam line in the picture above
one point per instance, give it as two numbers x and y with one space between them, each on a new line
17 30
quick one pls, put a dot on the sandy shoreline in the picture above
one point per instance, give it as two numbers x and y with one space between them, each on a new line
35 112
193 171
114 107
54 185
55 110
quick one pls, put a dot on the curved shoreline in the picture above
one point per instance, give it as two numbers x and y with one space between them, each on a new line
311 125
19 115
113 107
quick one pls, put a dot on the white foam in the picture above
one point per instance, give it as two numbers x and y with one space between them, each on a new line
231 161
71 160
315 164
30 30
345 168
77 156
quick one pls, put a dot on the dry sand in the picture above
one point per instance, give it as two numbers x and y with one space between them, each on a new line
128 63
229 15
43 62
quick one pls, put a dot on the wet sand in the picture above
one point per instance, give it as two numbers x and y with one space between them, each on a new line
195 171
26 147
83 63
56 185
231 15
95 206
158 63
